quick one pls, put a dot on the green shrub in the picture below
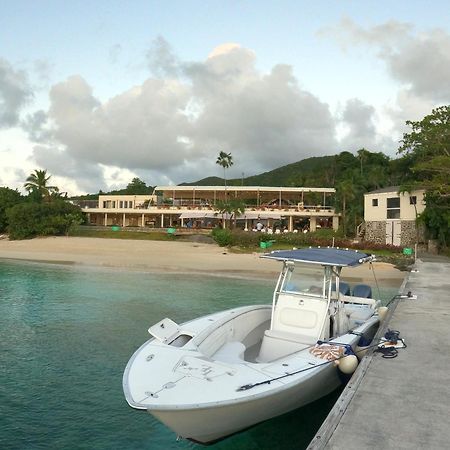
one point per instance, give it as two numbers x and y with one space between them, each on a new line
28 220
223 237
8 199
322 238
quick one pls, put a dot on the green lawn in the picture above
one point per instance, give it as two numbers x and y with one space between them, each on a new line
122 234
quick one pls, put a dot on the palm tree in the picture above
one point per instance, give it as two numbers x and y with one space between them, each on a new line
37 183
225 160
231 209
346 190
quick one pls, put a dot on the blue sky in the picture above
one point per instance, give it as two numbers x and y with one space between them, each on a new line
100 95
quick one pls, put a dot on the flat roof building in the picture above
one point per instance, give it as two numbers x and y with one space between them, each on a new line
390 215
176 206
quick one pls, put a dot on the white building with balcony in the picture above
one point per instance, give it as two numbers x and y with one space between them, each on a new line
296 208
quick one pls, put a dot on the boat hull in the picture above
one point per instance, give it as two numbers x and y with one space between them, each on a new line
198 394
211 423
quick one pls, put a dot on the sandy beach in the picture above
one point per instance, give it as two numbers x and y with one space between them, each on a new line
159 256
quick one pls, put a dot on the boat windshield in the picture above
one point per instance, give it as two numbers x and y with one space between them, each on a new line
306 279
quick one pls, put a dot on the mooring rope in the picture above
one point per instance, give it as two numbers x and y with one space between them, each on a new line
375 278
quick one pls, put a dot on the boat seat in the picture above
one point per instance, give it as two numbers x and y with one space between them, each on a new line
362 290
359 314
292 337
277 344
344 288
231 352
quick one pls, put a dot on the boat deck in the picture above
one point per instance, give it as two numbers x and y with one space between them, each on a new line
401 403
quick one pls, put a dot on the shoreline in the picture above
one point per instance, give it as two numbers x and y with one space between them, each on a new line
188 258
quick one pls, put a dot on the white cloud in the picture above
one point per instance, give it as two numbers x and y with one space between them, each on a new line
15 93
419 62
172 127
223 49
358 118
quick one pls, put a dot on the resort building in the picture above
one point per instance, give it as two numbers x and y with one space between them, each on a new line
287 208
390 216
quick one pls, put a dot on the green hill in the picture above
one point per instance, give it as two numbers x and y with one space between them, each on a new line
311 172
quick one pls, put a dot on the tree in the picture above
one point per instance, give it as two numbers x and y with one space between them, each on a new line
8 199
345 190
37 186
30 219
429 137
427 148
137 187
225 160
231 209
363 156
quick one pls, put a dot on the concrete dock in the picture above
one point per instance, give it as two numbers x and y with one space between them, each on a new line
404 402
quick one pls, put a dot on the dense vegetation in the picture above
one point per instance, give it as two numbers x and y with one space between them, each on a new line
427 151
135 187
325 237
30 219
42 212
8 199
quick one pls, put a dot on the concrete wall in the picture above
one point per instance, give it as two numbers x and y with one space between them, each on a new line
407 210
132 201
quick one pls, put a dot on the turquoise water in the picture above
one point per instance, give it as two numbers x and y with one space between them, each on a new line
66 336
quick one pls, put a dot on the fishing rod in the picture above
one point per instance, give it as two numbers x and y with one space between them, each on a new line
388 353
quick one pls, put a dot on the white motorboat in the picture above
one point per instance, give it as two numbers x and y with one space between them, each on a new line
222 373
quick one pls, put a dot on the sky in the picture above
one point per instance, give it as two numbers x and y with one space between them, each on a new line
98 93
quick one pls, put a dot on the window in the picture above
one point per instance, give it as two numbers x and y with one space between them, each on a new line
393 202
413 200
393 208
130 204
121 204
374 202
105 204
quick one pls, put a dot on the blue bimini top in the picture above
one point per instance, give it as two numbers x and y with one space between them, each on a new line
324 256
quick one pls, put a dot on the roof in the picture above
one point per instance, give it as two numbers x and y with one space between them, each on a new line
394 189
324 256
243 189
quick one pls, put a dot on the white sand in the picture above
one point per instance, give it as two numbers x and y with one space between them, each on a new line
162 256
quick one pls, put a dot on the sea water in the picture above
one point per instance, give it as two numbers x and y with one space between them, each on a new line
66 334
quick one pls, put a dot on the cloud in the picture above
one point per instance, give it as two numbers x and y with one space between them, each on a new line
264 120
15 93
12 177
420 62
42 70
358 119
223 49
86 177
161 60
36 126
171 127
